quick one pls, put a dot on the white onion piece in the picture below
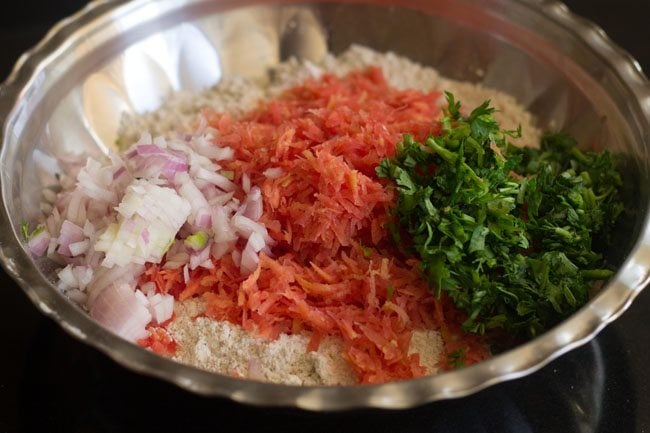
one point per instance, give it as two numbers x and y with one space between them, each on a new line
253 206
246 226
219 249
206 148
256 242
84 275
69 233
67 278
148 288
89 229
76 209
186 274
161 307
152 161
78 248
198 161
118 309
216 179
273 172
39 243
151 217
51 249
53 223
199 257
97 182
93 259
76 295
236 257
207 264
249 260
203 218
104 277
176 261
199 205
221 225
221 199
188 190
142 298
246 183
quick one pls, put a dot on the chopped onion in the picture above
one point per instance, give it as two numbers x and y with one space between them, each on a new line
67 277
77 296
246 183
256 242
219 249
273 172
70 233
249 260
217 179
199 257
236 257
246 226
203 218
176 261
209 149
104 277
39 243
221 225
186 274
221 199
145 207
148 288
253 206
153 161
118 309
161 307
168 198
84 275
78 248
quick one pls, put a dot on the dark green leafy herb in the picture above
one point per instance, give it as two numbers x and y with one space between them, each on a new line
506 232
457 359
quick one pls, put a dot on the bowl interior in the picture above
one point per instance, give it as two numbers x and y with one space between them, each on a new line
129 59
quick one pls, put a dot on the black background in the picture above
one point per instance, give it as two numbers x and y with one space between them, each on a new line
49 382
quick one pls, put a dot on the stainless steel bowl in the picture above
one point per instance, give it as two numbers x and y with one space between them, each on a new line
68 93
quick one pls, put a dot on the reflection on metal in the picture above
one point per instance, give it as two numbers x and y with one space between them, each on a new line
68 95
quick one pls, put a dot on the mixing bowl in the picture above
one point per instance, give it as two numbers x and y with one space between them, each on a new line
66 96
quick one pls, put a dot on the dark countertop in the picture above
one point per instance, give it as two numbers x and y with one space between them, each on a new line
50 382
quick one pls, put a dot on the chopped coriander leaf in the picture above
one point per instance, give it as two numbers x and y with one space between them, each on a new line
24 227
389 292
27 235
456 359
506 232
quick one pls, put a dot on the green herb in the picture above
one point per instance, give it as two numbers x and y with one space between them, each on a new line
389 292
506 232
367 251
25 230
27 235
456 359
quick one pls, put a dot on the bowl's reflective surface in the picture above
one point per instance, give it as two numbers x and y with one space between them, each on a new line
111 59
